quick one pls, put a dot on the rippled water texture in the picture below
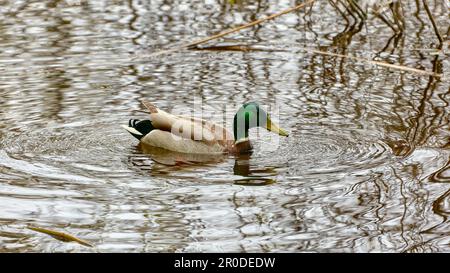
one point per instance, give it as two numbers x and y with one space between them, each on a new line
365 168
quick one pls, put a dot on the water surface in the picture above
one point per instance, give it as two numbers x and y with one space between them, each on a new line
366 166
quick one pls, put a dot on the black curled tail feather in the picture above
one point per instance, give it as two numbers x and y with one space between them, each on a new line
143 127
132 122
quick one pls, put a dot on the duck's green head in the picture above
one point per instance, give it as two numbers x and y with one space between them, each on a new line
251 115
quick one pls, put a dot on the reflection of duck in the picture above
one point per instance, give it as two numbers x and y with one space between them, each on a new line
170 158
242 165
197 136
250 176
169 163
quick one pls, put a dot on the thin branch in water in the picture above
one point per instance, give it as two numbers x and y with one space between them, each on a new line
387 22
348 10
436 30
358 10
394 7
233 30
394 66
310 10
386 46
335 6
259 21
64 237
241 48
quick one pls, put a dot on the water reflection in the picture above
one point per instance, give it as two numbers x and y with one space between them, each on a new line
160 162
252 176
170 158
366 167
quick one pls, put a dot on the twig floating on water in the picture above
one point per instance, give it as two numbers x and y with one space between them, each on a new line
61 236
242 48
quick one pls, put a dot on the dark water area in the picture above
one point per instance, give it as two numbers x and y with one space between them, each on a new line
365 168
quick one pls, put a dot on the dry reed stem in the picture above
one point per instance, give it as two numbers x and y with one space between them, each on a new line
60 235
379 63
233 30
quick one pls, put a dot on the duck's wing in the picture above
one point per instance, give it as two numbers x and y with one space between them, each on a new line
220 134
187 127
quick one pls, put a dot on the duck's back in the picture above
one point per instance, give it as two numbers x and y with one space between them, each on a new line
186 134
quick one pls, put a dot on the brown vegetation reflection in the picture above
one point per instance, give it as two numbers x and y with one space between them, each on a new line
367 167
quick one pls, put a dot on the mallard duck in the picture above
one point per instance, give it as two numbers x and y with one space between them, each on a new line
192 135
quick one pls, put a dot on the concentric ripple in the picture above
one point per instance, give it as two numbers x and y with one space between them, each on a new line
329 152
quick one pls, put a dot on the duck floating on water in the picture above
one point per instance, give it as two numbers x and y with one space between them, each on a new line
186 134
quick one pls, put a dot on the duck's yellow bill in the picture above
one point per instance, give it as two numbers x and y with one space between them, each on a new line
273 127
